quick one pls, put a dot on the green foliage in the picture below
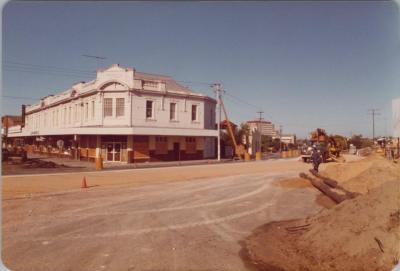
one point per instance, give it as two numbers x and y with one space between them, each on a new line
240 133
266 142
276 144
360 142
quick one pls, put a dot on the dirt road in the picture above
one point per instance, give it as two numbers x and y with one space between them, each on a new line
24 185
162 225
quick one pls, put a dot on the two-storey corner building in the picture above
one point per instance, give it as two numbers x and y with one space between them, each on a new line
123 115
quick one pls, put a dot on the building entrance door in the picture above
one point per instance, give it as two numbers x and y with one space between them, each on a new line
177 156
113 151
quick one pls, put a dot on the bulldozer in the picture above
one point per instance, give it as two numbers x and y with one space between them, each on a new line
328 146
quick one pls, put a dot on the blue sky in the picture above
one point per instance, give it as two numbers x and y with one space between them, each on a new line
305 64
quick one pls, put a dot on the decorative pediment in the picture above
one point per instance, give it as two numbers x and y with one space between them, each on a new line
113 85
114 78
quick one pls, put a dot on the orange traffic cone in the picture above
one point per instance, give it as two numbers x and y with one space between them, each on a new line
84 185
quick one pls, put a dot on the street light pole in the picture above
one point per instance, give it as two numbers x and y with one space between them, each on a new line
259 129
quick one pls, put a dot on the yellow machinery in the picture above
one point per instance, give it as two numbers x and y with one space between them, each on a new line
240 151
328 146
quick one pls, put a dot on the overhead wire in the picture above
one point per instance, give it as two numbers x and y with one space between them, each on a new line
19 97
21 64
16 66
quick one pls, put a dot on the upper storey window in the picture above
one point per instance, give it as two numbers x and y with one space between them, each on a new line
120 110
93 109
108 106
194 112
172 111
149 110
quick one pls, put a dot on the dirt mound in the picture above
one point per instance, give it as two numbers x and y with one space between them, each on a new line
364 175
359 234
37 163
293 183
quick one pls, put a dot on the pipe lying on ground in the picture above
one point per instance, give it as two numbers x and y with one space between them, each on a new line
334 184
325 189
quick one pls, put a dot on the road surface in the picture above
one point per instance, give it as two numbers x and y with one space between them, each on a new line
190 225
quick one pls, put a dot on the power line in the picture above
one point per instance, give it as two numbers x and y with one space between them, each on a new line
29 65
77 73
19 97
242 101
48 73
195 83
96 57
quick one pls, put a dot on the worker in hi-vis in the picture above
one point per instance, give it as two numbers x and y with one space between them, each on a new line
316 158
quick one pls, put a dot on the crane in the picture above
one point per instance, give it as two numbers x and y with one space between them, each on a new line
239 149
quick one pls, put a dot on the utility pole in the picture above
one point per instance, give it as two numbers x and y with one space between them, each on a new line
386 134
280 138
259 129
373 112
218 89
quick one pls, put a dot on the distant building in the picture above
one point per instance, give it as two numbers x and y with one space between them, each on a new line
396 117
288 139
9 121
265 127
123 116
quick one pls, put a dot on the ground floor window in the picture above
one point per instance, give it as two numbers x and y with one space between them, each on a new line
161 145
190 144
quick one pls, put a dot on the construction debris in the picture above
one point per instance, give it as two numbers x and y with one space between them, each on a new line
38 163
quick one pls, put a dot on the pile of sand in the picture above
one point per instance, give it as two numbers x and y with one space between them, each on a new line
364 175
358 234
345 237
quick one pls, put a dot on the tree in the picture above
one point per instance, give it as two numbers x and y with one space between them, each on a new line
356 140
240 134
360 142
266 142
276 144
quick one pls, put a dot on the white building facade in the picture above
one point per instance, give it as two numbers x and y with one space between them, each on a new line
265 127
122 115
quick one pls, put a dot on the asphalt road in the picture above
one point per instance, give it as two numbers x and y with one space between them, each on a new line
193 225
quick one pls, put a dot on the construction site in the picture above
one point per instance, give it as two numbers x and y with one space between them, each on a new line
200 136
273 214
327 203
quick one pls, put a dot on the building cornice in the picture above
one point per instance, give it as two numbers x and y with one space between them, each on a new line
141 91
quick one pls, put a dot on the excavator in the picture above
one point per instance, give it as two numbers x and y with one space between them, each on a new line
328 146
240 151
